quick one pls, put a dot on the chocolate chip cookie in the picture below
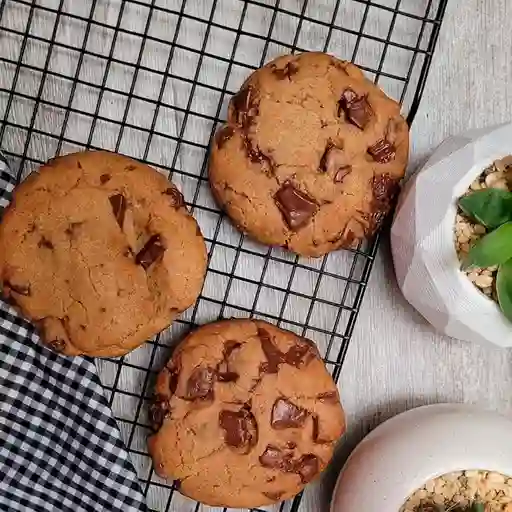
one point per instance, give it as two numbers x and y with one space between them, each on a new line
311 156
99 251
246 414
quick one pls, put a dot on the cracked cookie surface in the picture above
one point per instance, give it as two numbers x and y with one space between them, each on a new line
246 414
311 156
99 251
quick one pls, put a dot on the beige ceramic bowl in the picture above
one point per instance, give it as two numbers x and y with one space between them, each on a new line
400 455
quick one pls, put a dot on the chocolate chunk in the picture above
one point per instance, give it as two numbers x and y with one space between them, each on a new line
224 373
79 165
264 368
382 151
244 107
241 102
307 467
275 458
118 203
20 289
334 162
330 397
316 428
130 168
296 207
384 188
159 409
230 346
240 429
291 445
298 355
375 221
200 384
324 161
222 367
286 414
274 495
356 108
273 355
227 376
72 228
57 345
176 197
44 242
316 432
152 251
104 178
174 373
254 154
223 135
287 72
333 159
341 173
302 353
103 310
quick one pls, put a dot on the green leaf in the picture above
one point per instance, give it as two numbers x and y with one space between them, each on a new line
490 207
504 288
494 248
478 507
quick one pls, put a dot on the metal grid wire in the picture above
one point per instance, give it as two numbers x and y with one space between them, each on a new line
151 79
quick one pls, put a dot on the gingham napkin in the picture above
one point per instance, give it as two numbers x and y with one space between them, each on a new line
60 448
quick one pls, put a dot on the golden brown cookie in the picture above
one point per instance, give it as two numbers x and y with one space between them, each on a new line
311 156
246 415
99 251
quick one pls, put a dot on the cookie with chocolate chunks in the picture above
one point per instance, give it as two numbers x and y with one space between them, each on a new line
307 138
99 251
255 438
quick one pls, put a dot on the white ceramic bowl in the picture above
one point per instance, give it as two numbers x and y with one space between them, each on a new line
403 453
422 240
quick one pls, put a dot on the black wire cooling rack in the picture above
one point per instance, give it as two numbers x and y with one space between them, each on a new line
151 79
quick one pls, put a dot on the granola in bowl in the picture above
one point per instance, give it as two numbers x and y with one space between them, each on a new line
462 491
